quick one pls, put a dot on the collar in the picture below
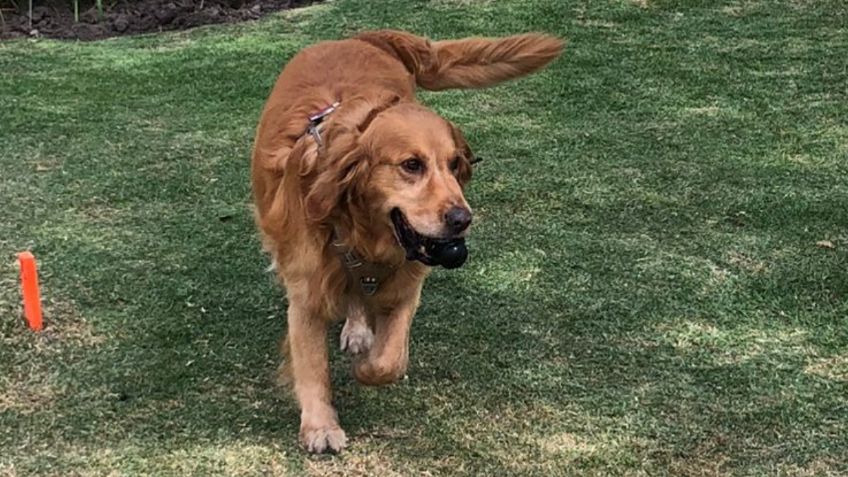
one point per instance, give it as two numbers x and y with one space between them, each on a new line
316 121
367 275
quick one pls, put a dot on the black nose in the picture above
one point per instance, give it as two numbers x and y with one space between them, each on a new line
458 219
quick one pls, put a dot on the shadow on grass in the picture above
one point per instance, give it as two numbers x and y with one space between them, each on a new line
497 372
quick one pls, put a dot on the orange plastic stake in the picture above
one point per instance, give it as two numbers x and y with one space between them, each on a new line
29 286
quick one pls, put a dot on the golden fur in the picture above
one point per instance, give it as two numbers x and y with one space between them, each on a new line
305 192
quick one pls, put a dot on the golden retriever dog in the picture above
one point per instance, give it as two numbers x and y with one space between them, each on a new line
358 193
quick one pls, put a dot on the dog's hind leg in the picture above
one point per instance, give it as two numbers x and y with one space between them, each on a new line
356 337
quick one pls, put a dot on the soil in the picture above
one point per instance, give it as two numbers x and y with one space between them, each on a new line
55 18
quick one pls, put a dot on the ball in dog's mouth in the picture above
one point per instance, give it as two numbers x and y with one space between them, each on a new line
449 253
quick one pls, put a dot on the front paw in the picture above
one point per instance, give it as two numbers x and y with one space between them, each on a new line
356 337
320 440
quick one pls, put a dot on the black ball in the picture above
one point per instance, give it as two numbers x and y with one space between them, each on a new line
450 254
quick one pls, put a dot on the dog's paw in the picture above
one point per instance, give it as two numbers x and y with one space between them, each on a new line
356 337
329 440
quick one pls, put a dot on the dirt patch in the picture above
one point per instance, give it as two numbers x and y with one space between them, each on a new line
56 19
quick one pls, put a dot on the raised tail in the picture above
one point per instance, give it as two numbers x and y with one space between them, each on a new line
470 62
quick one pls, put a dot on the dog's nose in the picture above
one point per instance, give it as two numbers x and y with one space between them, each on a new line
457 219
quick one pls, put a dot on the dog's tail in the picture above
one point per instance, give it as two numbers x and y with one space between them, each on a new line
470 62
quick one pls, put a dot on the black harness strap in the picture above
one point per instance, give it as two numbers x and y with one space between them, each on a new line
366 274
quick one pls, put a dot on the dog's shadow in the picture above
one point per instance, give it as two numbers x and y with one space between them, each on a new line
205 370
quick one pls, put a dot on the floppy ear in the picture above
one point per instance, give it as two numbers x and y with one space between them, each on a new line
343 161
331 186
466 157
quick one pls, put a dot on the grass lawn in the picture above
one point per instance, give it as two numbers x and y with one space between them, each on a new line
658 281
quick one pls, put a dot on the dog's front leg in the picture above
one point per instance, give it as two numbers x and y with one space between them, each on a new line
388 357
319 424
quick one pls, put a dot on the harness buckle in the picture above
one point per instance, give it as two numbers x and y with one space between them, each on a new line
316 119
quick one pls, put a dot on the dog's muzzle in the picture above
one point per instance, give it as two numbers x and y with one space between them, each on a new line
448 253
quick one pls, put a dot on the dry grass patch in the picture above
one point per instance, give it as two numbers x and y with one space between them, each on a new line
833 367
28 392
364 459
745 262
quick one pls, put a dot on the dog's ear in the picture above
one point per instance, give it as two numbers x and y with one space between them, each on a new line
344 161
466 157
331 186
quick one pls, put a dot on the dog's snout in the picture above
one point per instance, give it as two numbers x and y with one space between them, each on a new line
457 219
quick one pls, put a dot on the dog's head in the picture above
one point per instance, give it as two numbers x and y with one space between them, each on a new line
400 169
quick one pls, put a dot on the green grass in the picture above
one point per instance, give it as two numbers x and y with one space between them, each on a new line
645 295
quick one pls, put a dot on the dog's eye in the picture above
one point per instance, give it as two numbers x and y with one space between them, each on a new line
454 165
412 165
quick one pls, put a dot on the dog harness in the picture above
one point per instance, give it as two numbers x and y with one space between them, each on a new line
316 121
366 274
